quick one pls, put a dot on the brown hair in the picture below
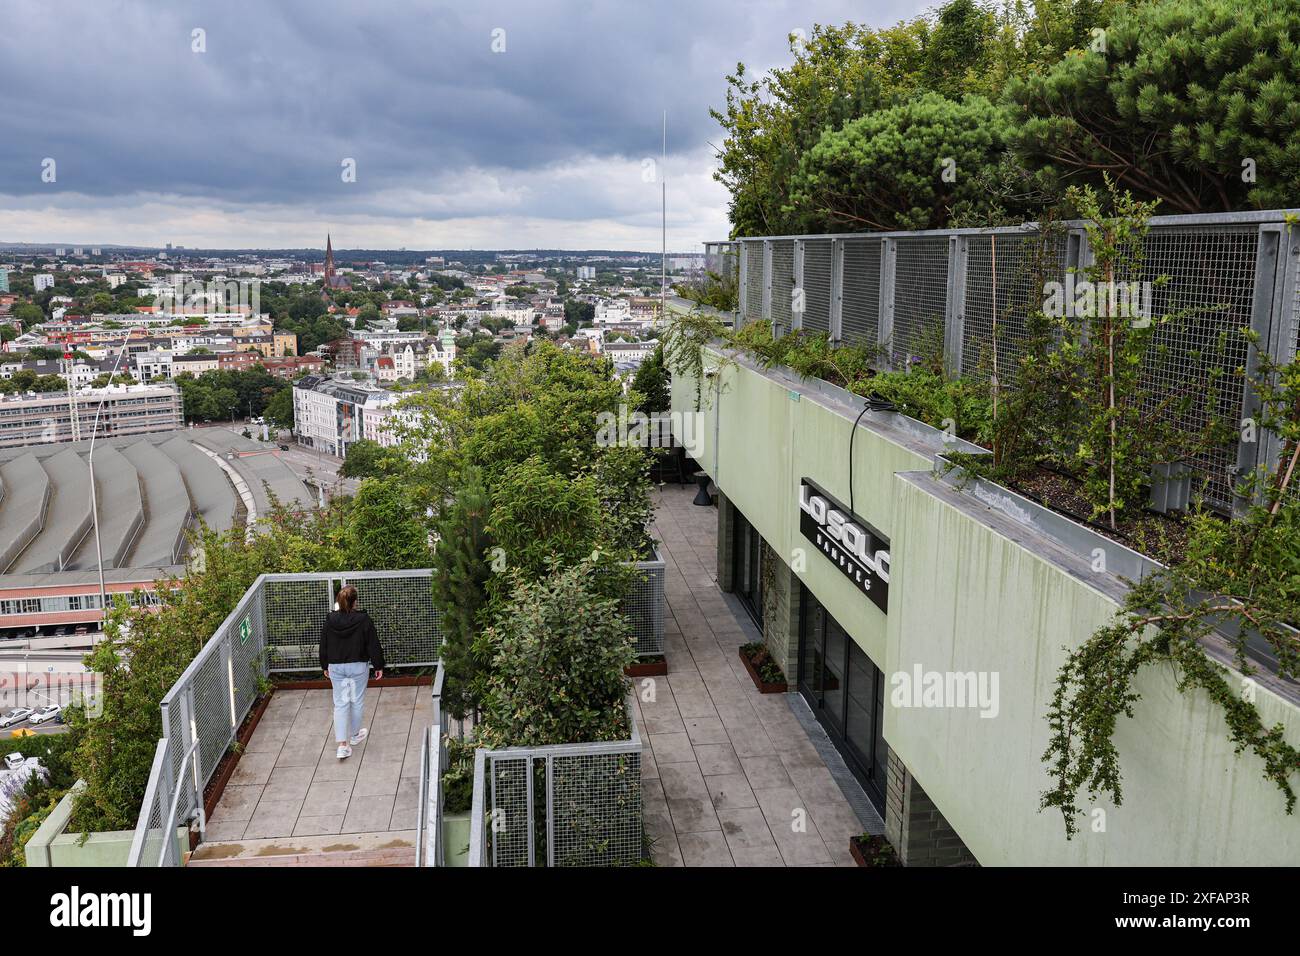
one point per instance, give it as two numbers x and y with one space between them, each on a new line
347 598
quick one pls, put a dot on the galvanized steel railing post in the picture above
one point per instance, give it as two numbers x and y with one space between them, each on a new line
885 333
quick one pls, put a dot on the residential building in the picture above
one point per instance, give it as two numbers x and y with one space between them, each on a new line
42 281
329 414
195 364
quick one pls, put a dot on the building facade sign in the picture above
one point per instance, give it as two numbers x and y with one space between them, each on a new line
857 549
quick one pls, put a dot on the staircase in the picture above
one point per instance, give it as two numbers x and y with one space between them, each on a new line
392 848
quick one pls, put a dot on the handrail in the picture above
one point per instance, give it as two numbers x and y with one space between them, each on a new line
169 845
421 818
156 778
477 827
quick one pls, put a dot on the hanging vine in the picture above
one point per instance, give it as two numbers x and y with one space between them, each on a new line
1251 570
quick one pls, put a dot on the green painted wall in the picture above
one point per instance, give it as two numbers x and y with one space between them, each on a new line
51 845
964 597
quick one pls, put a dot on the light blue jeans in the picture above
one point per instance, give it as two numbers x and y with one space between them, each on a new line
349 682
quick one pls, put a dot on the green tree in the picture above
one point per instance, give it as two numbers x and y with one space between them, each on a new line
369 459
386 527
461 570
651 383
913 166
1190 102
560 648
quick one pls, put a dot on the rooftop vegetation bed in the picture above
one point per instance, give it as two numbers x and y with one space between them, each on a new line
1076 425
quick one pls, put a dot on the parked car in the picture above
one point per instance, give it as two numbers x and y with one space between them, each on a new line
14 761
15 716
44 714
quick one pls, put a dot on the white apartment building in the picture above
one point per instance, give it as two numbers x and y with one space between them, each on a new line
330 414
42 281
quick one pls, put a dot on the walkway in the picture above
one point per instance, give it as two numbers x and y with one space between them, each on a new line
289 783
731 778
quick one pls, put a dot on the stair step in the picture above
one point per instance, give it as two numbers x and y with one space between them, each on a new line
392 848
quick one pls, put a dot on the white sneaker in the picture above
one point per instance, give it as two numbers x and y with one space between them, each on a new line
360 735
344 752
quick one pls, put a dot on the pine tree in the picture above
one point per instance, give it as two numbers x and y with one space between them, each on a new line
461 569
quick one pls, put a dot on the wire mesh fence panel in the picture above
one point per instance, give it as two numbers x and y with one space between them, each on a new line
212 715
782 284
1025 263
920 298
408 624
596 809
817 285
860 318
247 645
509 828
293 612
753 282
644 607
1204 277
151 832
176 732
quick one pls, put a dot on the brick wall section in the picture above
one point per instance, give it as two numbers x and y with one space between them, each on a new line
914 825
781 615
726 543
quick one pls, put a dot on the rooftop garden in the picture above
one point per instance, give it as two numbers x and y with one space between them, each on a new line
1083 421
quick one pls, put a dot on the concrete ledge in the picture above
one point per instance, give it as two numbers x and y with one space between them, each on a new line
51 845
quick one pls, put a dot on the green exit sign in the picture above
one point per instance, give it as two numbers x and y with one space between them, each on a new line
244 630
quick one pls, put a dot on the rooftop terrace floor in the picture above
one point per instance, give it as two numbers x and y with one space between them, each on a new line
727 767
288 783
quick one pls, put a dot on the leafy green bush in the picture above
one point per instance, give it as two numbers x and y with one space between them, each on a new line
559 649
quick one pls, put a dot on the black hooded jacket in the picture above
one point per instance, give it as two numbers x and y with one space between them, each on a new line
347 637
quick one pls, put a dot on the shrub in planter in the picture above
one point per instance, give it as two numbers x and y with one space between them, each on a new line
872 849
766 672
559 648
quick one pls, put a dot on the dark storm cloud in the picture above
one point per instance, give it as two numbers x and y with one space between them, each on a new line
413 91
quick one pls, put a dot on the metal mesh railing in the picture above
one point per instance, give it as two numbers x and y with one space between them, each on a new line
1024 263
753 282
817 285
1204 270
860 322
920 298
782 285
566 805
644 607
168 804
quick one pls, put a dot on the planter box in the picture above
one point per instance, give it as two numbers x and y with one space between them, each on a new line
230 760
657 668
644 606
52 845
855 850
455 839
763 688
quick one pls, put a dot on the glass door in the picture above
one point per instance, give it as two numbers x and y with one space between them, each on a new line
845 691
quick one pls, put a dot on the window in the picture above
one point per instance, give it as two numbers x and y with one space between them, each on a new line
846 691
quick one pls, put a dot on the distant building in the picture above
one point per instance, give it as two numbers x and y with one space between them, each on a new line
4 281
44 417
329 414
333 281
586 272
42 281
292 366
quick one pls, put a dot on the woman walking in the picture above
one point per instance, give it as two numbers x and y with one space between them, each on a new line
348 648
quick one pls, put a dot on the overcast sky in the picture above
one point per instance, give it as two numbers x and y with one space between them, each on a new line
456 145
